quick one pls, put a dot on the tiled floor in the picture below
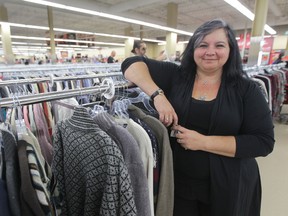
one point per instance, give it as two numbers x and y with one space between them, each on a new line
274 174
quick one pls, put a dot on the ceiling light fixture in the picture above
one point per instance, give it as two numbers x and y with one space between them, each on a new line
79 32
90 33
89 42
27 44
246 12
110 16
66 40
26 26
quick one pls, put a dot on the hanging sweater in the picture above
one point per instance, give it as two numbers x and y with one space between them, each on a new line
165 199
91 172
133 160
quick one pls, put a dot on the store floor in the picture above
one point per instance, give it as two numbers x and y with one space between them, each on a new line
274 174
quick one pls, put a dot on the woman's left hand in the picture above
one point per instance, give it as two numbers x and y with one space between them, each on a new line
189 139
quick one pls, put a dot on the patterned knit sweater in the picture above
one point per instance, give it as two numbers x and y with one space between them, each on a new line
92 176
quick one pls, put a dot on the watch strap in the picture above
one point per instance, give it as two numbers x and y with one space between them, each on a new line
157 92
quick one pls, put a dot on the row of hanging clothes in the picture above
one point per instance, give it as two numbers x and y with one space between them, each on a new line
273 82
69 148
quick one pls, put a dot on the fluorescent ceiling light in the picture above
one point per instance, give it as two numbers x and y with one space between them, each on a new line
110 16
79 32
29 38
183 42
66 40
27 53
92 33
26 26
29 48
152 40
89 42
27 44
73 46
246 12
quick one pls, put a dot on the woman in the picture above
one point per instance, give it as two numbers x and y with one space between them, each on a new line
222 121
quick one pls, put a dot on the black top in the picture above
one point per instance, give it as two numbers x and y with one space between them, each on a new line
240 110
111 60
192 169
195 164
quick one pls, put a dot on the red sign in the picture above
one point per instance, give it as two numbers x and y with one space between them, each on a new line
244 43
268 43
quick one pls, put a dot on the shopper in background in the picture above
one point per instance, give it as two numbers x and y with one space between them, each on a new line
220 119
279 59
177 56
139 48
162 56
111 58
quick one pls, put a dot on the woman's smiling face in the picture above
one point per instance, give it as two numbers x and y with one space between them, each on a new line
212 52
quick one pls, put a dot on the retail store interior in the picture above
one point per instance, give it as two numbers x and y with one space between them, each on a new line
101 22
38 34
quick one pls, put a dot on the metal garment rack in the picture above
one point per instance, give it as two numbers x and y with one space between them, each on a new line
49 96
54 79
44 68
261 67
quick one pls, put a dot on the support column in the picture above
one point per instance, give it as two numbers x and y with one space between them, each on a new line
171 37
244 41
6 36
52 35
261 9
141 32
128 42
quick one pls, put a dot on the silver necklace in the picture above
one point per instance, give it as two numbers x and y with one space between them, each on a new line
203 96
206 85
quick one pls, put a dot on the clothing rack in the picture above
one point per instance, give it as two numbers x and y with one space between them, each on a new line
106 88
52 79
16 69
49 96
262 67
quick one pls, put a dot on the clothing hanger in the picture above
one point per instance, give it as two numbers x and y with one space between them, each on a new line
144 98
118 110
20 123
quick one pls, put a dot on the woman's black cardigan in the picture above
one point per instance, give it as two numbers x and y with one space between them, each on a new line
240 110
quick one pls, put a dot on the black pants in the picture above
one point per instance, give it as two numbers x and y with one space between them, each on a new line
184 207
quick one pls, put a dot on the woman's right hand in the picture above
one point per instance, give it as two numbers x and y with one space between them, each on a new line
167 114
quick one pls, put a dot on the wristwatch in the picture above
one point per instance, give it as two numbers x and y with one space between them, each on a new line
157 92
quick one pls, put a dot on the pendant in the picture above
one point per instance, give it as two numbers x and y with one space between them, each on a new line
202 97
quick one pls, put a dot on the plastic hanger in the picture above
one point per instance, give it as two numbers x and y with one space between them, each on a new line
20 123
97 109
119 109
144 98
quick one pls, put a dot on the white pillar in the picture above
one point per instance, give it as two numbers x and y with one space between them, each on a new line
128 42
261 9
171 38
6 36
52 35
